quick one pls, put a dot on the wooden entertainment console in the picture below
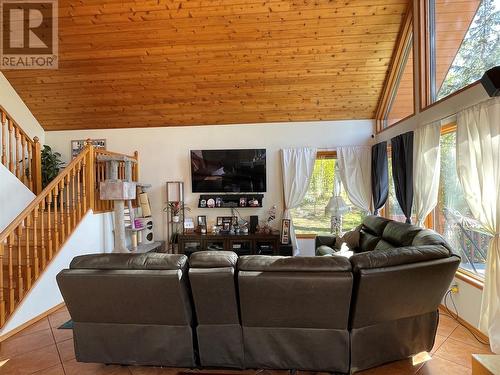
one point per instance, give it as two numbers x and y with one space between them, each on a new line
241 244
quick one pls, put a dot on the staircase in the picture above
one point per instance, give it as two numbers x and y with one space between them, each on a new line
34 238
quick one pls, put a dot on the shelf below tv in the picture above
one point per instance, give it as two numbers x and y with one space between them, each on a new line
231 200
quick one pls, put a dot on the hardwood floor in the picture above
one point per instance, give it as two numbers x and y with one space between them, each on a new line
42 349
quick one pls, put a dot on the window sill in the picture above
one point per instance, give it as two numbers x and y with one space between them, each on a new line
306 236
470 279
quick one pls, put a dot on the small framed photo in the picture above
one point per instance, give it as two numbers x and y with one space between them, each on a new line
285 232
243 202
202 221
219 221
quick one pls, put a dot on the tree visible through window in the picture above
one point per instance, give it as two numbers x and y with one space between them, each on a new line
310 217
462 53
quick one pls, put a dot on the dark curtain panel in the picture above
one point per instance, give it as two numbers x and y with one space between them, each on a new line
380 178
402 171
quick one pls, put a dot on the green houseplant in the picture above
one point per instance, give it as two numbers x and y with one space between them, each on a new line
51 165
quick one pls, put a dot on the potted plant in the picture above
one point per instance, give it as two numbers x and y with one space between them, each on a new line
51 165
175 209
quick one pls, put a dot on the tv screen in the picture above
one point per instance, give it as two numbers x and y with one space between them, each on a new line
228 171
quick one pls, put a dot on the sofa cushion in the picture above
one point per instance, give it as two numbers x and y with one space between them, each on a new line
213 259
367 242
375 225
400 234
429 237
398 256
324 250
290 264
147 261
383 245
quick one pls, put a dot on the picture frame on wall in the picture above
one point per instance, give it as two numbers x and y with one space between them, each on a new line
202 221
285 232
77 145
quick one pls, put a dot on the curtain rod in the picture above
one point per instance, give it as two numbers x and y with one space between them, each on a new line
454 115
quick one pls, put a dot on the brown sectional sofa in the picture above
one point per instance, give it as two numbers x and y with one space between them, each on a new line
314 313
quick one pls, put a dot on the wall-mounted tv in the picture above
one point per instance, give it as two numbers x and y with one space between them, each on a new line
228 171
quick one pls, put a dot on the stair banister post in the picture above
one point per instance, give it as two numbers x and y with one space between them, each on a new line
36 166
90 175
2 297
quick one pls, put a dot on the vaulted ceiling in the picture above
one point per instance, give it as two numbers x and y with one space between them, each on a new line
166 63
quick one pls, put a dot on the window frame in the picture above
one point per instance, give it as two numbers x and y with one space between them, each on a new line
404 45
426 42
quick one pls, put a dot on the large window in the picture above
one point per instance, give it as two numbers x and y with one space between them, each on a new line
452 217
401 101
464 43
310 217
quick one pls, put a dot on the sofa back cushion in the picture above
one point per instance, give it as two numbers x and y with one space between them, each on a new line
119 288
389 286
400 234
294 292
213 284
146 261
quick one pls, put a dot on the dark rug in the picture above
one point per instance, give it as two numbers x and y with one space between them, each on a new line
67 325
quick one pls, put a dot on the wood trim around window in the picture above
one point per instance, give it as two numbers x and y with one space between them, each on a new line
396 67
470 278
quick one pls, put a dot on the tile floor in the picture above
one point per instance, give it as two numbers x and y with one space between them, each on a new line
43 349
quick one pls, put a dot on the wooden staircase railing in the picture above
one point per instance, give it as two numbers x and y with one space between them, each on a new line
19 153
31 241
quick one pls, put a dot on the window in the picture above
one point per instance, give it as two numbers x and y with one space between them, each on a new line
310 217
392 209
452 217
463 43
401 104
397 98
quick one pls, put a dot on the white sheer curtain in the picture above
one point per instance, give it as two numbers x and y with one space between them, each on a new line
426 169
297 168
478 167
355 166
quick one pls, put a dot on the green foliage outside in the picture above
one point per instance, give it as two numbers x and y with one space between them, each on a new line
480 50
310 217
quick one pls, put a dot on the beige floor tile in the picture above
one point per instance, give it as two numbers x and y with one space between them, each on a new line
404 367
28 363
56 370
66 350
459 352
446 325
17 345
41 325
58 318
440 366
437 343
62 334
149 370
76 368
463 335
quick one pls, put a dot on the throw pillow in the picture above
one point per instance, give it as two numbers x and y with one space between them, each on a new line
351 238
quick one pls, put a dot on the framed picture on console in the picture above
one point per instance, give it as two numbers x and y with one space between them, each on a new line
202 221
285 232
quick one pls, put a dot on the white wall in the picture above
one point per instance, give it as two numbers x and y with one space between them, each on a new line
91 236
14 197
10 100
164 153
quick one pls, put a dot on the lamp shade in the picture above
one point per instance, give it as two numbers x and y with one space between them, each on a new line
336 206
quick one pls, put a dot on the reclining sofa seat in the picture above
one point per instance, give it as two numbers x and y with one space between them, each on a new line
102 293
401 273
213 284
295 312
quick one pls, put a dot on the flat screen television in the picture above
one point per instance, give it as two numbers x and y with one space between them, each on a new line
228 171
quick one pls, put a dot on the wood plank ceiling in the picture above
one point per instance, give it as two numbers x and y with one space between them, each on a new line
166 63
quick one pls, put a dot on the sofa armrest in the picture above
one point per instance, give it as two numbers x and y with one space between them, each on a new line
326 240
